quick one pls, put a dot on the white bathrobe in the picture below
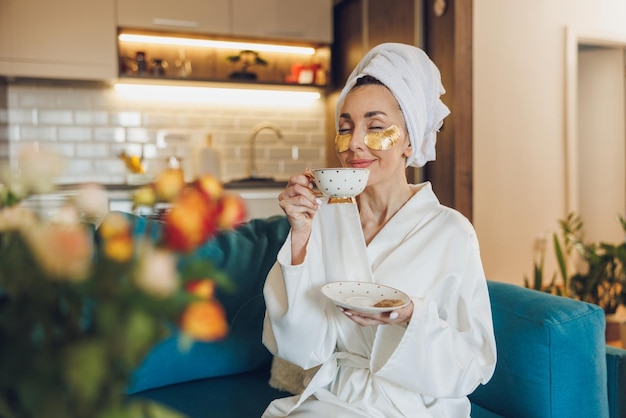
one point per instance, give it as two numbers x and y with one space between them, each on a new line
425 369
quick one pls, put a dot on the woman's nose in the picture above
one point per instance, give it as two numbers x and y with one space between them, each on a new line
357 143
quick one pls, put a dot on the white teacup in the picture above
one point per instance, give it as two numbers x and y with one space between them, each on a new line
341 183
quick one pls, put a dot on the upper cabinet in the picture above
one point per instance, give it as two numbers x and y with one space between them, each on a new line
71 39
297 20
304 20
198 16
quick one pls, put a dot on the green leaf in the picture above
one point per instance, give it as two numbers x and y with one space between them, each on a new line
85 366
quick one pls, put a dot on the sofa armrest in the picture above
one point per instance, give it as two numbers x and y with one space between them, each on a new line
616 375
551 356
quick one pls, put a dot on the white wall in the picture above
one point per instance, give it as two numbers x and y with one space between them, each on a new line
520 121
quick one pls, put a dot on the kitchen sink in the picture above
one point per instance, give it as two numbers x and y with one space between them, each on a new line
255 183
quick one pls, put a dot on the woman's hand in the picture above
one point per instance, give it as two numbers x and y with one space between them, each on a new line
397 316
299 202
300 205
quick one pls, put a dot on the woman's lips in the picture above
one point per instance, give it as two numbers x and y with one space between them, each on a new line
360 163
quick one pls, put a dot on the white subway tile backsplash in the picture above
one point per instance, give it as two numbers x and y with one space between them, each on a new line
109 134
74 133
112 166
86 117
37 133
92 151
138 135
22 116
55 117
35 97
154 119
66 150
93 125
126 118
77 167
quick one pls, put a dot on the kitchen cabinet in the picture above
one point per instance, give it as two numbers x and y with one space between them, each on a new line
303 20
297 20
69 39
196 16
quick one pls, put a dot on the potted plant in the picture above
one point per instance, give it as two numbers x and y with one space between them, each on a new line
247 58
599 270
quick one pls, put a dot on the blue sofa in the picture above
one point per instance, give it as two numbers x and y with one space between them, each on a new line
552 357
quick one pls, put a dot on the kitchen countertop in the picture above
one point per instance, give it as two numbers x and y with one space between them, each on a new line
257 183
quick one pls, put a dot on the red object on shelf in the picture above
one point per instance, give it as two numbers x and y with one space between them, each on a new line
306 74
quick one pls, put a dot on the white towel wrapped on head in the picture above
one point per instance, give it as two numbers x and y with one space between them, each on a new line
415 82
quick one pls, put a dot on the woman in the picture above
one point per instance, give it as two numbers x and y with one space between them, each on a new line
418 361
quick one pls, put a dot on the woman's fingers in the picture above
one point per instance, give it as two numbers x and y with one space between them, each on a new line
298 202
402 315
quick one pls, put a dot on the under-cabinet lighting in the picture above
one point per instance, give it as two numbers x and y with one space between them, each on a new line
207 43
217 95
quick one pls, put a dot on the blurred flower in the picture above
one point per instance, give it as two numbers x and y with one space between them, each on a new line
82 307
204 321
64 252
169 184
157 274
231 212
190 222
92 201
204 289
114 224
39 169
17 218
210 186
66 215
144 196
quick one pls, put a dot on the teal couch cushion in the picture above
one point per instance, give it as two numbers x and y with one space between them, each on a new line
551 337
246 255
616 367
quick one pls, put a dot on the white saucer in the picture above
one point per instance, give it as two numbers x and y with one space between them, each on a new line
362 296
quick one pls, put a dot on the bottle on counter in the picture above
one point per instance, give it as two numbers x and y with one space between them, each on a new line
207 159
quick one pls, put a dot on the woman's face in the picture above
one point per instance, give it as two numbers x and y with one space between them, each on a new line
372 133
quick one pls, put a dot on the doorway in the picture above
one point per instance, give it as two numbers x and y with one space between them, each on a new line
596 134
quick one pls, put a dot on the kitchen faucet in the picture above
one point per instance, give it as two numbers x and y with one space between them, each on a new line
252 168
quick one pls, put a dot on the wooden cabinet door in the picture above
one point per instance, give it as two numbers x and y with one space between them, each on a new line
305 20
73 39
201 16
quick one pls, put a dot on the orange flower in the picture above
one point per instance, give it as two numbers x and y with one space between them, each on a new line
204 321
119 248
204 289
232 211
210 186
144 196
114 224
169 184
190 222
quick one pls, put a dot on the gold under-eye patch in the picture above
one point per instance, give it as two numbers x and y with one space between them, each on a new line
382 141
378 141
342 142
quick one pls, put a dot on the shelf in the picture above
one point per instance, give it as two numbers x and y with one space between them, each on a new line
200 82
168 61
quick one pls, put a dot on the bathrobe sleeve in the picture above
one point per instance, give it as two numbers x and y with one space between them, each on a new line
296 310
